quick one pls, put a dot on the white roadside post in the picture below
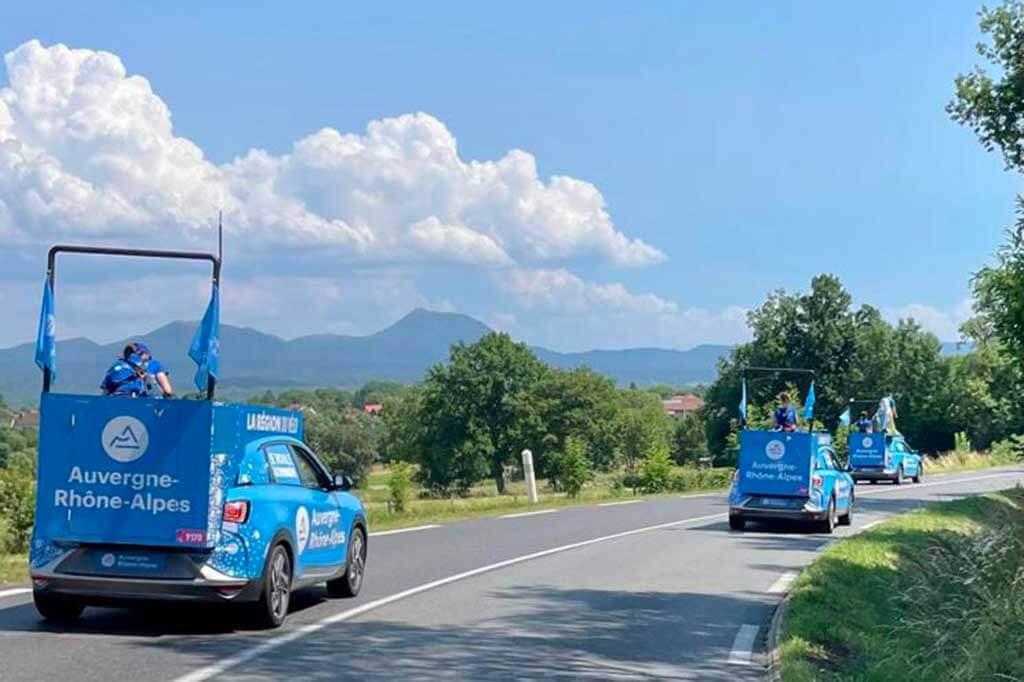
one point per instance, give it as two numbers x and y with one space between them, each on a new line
531 480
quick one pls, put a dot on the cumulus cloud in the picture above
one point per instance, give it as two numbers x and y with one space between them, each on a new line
88 150
562 291
945 324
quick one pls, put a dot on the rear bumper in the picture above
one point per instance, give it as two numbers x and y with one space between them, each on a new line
873 475
102 588
762 514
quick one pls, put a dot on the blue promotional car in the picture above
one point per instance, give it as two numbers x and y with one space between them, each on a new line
193 500
790 475
883 457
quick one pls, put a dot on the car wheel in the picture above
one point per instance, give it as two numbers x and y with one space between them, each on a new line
59 608
920 473
899 476
828 524
351 582
737 523
847 518
272 607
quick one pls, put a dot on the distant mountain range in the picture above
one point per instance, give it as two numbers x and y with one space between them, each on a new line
252 361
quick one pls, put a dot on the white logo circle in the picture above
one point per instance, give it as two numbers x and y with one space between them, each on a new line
125 439
866 442
301 528
51 325
775 449
108 560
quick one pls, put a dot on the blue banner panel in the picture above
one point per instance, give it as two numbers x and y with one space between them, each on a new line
124 470
775 462
867 449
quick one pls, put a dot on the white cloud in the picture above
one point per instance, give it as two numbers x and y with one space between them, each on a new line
562 291
945 324
88 151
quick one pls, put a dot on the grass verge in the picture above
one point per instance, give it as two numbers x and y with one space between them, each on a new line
13 569
936 594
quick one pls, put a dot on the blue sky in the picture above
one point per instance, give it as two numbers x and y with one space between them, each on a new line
752 146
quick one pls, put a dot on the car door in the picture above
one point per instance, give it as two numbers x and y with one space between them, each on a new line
292 500
323 549
840 481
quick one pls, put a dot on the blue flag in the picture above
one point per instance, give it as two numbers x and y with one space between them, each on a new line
743 404
46 341
844 418
205 348
809 404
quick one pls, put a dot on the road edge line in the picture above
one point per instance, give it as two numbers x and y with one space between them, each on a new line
14 592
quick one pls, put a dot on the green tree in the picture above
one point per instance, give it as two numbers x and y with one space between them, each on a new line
644 426
382 392
399 486
576 403
344 442
478 412
656 470
689 444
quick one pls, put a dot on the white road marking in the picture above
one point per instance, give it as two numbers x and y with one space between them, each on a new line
869 526
783 583
533 513
14 592
288 637
743 645
616 504
915 486
379 533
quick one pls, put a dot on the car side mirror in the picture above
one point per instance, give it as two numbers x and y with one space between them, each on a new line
343 483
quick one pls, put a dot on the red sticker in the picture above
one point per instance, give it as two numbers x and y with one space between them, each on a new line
191 537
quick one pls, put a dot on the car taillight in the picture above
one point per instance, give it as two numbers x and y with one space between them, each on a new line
237 511
817 481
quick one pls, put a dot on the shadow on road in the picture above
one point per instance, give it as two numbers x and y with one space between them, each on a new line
535 632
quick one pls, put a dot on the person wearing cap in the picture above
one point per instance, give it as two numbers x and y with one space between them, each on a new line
785 414
134 372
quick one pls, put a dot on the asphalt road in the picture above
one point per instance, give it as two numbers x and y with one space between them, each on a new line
658 589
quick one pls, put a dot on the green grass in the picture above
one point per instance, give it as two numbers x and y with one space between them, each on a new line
482 499
934 594
13 569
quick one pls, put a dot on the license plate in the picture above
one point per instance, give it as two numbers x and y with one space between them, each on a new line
131 562
774 502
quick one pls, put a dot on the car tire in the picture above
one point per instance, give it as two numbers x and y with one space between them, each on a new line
349 584
272 607
59 608
737 523
920 473
828 524
847 518
899 476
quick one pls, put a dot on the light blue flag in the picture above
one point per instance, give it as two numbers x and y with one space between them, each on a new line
743 404
205 348
844 418
809 404
46 341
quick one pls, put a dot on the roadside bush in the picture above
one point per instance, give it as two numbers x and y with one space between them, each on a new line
693 478
573 467
399 486
1009 451
17 508
961 442
656 471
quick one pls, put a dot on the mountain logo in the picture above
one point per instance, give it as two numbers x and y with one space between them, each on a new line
125 439
301 528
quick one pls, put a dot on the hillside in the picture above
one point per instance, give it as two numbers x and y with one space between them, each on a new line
253 361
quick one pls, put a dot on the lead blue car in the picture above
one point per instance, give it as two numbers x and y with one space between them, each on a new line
791 476
184 500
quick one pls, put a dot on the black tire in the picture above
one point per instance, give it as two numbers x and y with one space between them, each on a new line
349 584
59 608
920 472
828 524
737 523
272 607
899 476
847 518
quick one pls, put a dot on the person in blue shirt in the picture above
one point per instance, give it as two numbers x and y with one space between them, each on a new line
864 424
134 372
785 414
